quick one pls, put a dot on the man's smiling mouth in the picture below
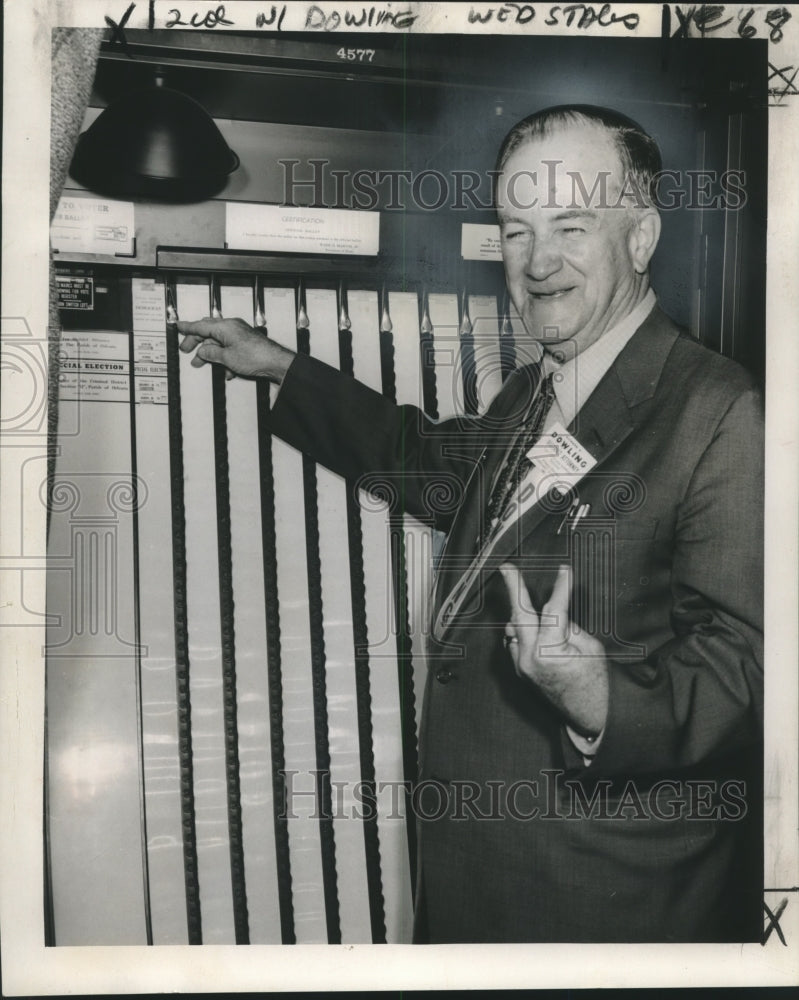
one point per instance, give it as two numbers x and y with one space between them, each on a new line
558 293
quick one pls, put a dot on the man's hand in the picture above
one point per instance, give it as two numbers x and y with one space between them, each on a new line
564 662
236 345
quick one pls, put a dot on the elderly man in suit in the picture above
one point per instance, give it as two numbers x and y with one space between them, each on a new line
590 745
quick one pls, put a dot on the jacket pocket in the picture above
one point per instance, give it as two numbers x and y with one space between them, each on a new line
632 527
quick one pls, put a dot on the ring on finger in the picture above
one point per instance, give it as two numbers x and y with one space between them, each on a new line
509 640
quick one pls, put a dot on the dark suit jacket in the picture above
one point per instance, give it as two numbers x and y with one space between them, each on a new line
659 839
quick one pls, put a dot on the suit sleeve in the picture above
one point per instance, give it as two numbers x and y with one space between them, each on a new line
700 695
396 452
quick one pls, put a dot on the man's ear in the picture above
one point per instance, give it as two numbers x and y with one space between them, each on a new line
643 237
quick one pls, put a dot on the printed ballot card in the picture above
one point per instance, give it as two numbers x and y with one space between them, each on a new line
301 230
559 460
93 225
480 242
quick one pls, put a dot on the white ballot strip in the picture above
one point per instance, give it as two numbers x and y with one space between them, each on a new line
204 632
487 352
382 650
149 346
250 630
160 749
310 922
342 710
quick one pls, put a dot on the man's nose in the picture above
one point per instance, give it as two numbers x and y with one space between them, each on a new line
543 261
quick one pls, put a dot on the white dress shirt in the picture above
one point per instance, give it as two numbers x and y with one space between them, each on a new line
580 375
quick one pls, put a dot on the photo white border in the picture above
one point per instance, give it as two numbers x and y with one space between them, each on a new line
28 968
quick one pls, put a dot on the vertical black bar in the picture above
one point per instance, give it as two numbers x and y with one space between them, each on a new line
148 922
387 365
275 680
429 393
182 666
410 761
230 707
363 696
323 787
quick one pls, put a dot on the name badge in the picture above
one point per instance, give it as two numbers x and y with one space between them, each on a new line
559 461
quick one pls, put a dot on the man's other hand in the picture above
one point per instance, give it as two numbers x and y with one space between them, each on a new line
236 345
565 662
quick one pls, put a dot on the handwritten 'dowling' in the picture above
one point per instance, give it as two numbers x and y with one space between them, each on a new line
699 20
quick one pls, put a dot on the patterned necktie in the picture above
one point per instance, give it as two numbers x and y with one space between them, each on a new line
518 464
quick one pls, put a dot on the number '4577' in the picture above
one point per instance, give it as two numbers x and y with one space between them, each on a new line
356 55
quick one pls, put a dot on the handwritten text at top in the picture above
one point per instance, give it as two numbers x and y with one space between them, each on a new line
696 20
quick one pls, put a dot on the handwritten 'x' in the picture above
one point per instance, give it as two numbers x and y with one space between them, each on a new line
790 88
774 922
118 30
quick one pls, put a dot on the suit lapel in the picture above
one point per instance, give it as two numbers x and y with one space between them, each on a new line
604 422
462 537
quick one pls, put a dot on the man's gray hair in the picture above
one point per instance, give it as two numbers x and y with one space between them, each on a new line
639 153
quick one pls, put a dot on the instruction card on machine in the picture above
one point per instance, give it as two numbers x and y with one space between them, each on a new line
301 230
93 225
480 242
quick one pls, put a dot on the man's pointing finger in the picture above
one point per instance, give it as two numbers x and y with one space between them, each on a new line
197 331
200 328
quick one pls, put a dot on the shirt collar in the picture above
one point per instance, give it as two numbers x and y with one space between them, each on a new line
580 375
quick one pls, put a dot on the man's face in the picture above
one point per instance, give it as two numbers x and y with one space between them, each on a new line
569 255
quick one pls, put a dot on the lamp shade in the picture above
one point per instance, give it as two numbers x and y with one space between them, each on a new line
154 143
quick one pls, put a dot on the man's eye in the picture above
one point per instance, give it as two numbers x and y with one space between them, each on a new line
514 234
572 230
